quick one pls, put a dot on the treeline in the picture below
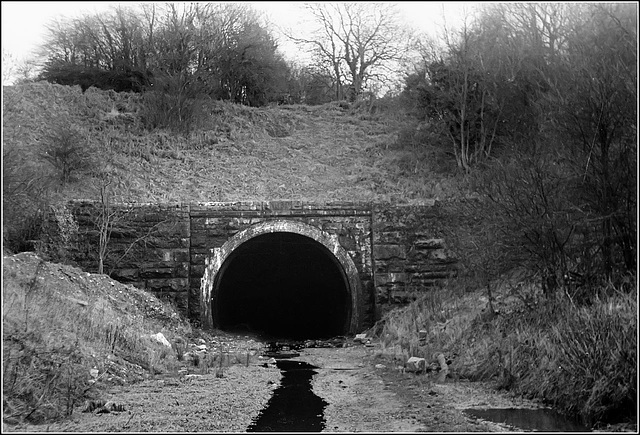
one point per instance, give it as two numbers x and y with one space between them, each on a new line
220 50
538 102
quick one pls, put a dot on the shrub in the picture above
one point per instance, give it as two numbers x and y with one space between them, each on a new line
25 196
174 104
580 359
67 150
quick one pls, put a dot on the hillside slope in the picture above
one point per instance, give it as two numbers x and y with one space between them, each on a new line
318 153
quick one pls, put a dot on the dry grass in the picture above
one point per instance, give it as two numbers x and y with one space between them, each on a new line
55 330
68 335
297 152
580 359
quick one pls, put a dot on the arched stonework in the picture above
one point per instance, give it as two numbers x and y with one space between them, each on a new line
215 261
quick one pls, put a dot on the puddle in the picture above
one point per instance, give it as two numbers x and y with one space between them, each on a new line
545 420
293 407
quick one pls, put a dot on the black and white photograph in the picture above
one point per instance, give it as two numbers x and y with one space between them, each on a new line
285 216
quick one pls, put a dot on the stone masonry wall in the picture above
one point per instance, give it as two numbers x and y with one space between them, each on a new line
409 251
212 224
148 246
398 250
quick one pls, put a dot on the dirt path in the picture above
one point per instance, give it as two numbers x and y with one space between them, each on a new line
362 396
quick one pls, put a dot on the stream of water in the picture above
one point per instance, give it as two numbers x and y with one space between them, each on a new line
293 407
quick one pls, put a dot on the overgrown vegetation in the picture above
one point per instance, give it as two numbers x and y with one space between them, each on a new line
67 335
49 335
536 103
524 121
581 359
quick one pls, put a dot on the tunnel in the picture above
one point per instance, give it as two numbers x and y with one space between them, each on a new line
282 285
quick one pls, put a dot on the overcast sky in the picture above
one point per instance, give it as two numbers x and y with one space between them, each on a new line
23 22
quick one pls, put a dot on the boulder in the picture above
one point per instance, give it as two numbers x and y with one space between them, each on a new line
416 364
160 338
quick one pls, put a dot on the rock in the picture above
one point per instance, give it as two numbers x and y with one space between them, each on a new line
360 337
102 407
114 407
416 364
443 363
160 338
381 366
444 369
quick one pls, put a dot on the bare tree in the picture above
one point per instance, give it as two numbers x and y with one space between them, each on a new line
356 42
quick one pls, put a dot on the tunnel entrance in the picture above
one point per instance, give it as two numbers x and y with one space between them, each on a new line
285 285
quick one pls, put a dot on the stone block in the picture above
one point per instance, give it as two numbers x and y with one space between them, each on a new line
443 256
126 275
431 275
174 229
430 243
385 252
197 270
402 296
181 270
348 243
168 285
156 272
396 265
181 255
387 278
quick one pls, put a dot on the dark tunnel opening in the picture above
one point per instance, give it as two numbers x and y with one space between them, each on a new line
282 285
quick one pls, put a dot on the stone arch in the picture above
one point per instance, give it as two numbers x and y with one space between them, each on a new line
215 263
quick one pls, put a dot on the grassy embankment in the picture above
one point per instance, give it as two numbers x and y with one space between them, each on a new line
582 359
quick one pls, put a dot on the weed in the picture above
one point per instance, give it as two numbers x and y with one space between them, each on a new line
582 359
51 343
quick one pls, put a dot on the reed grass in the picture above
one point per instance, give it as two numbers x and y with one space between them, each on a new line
53 336
580 359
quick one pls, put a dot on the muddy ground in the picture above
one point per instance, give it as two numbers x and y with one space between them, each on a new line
363 389
367 393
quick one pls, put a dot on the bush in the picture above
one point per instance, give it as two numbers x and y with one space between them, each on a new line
174 104
41 381
67 150
583 360
580 359
25 196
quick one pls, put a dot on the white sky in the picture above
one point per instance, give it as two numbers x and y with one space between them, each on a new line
23 22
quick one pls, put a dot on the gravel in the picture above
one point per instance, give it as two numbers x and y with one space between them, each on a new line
192 403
